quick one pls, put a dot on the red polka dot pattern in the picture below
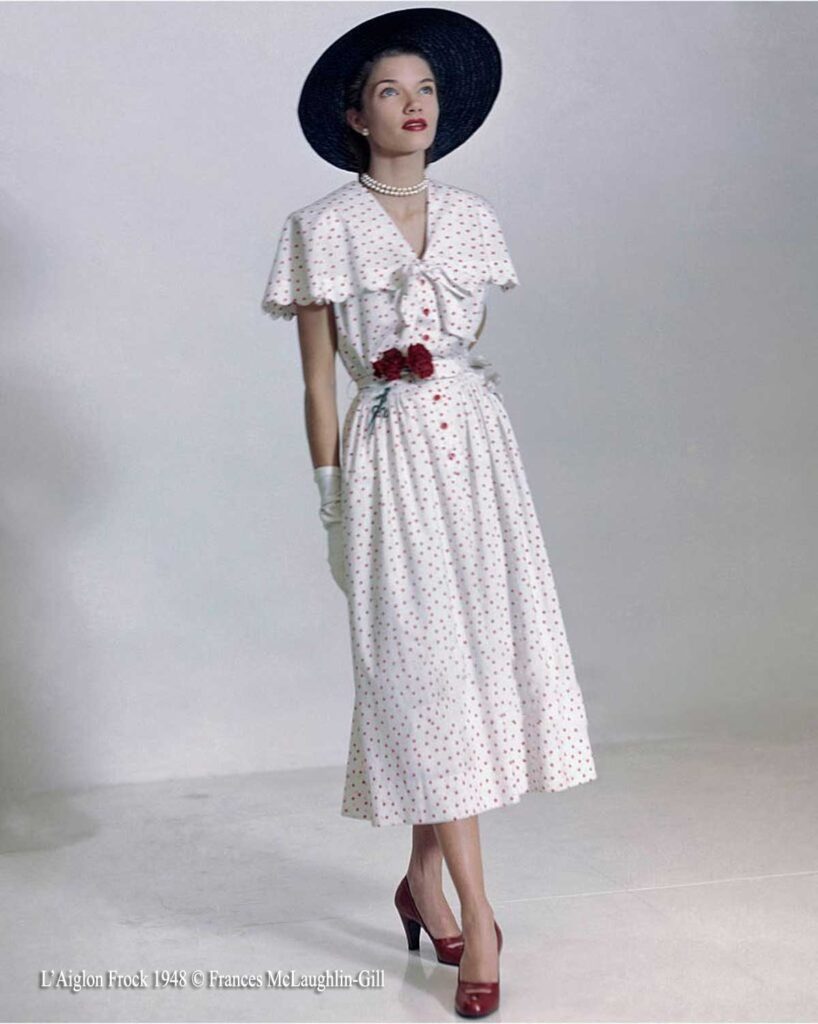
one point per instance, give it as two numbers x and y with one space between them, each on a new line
465 691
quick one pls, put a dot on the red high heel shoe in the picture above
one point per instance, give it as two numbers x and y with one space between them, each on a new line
450 948
478 998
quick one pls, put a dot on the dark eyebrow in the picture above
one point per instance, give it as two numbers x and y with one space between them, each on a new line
375 86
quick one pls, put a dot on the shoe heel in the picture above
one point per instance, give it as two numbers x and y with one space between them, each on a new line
412 929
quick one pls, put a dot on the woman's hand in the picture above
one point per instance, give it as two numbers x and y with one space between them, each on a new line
328 479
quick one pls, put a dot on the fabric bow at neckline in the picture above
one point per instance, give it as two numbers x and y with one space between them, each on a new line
445 285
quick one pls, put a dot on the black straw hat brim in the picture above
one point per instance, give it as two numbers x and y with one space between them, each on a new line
463 55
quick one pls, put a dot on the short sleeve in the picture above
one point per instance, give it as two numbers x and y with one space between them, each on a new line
309 265
499 268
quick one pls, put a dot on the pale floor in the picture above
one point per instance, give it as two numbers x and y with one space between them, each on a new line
681 885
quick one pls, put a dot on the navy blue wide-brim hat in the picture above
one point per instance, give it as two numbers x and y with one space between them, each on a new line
463 56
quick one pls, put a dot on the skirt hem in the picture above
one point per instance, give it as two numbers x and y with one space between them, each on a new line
490 805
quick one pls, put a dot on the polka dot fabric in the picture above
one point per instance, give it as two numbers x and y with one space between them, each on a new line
465 691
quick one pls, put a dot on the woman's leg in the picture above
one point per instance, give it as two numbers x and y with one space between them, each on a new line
460 845
425 876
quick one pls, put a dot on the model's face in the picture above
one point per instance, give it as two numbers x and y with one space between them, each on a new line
400 93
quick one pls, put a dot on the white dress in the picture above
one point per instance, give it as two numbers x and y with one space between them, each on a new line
465 691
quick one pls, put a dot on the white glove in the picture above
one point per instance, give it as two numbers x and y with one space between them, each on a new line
328 479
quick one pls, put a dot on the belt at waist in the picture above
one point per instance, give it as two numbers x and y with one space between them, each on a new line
445 368
375 391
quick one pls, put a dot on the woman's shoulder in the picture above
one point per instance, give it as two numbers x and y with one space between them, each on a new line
478 216
463 196
326 207
340 203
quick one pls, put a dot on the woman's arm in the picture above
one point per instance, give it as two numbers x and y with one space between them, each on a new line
319 342
480 328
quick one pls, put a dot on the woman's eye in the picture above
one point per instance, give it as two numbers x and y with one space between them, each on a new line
392 88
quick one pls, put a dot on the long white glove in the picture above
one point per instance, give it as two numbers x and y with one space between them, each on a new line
328 479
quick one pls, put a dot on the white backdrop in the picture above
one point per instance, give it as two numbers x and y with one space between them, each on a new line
166 607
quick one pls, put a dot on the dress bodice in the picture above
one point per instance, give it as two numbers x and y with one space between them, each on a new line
345 249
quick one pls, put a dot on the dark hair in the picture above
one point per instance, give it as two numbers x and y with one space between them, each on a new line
353 97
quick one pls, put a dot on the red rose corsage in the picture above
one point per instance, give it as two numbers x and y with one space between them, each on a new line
392 365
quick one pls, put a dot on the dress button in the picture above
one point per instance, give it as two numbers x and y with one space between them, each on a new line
426 311
444 425
425 337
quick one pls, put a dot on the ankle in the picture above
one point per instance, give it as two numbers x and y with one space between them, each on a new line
427 872
476 913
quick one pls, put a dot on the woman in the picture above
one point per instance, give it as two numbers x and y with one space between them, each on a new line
465 692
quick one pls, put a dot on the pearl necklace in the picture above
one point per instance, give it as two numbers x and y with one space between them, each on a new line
392 190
